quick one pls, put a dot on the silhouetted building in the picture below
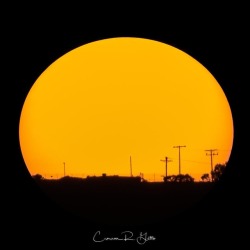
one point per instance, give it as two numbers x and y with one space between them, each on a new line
114 179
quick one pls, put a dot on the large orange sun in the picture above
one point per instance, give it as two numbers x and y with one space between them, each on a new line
112 100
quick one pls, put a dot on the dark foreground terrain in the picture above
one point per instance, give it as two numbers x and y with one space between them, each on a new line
126 202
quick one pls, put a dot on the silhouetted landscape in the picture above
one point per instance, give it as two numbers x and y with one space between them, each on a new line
117 199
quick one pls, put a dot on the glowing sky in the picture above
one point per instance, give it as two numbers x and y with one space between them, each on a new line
105 101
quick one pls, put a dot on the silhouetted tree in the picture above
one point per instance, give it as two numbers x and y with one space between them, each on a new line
38 177
170 178
205 177
179 178
187 178
218 171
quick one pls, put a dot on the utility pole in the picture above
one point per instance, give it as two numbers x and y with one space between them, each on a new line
131 167
166 161
211 154
64 169
179 147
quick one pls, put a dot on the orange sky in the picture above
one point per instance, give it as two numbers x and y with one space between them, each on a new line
105 101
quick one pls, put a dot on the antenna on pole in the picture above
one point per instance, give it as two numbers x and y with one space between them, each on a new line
131 167
179 156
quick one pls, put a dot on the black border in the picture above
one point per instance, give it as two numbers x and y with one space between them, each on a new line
34 44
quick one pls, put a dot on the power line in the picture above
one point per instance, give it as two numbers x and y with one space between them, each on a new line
200 162
179 147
